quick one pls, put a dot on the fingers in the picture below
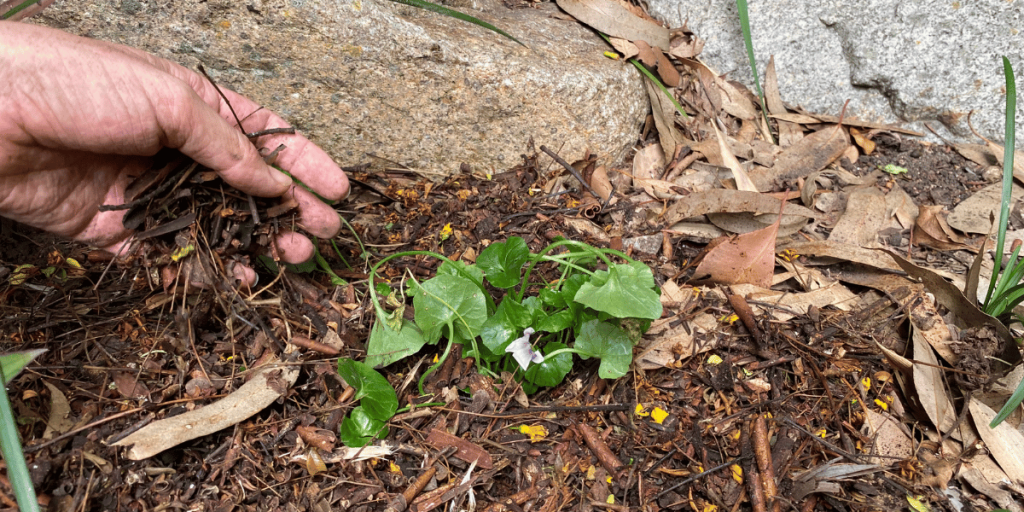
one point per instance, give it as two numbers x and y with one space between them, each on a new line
294 248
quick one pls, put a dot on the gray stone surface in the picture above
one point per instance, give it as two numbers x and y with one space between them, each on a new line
375 76
896 60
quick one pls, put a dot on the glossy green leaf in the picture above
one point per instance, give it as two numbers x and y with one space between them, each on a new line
1015 399
449 300
609 343
453 268
359 428
623 291
553 370
505 325
555 322
386 345
381 401
502 262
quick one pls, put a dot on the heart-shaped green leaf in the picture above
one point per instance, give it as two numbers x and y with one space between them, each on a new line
386 346
609 343
623 291
381 401
553 370
359 428
502 262
449 300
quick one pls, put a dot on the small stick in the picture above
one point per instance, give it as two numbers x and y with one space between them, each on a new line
600 448
763 455
401 502
571 169
271 131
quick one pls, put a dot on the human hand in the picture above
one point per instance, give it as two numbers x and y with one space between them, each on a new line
80 118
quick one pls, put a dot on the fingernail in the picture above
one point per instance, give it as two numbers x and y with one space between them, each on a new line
282 179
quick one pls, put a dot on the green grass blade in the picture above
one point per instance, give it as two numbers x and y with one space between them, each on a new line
10 444
741 6
1008 147
1011 274
18 8
1009 406
457 15
643 69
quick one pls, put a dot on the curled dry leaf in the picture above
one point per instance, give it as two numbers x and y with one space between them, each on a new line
933 231
723 94
730 201
739 174
976 213
600 183
624 46
685 45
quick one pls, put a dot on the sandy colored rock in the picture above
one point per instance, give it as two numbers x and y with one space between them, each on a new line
373 76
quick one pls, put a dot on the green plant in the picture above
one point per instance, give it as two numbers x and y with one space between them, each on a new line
654 79
378 403
1005 290
17 471
592 313
741 6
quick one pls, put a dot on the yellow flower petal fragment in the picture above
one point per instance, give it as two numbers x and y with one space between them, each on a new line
884 406
659 415
821 433
866 382
73 262
611 499
710 507
737 473
591 471
640 410
446 231
916 504
714 359
394 468
536 432
182 252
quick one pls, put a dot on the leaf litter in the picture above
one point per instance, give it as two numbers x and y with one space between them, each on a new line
806 301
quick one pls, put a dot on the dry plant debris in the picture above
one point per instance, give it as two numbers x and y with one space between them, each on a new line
822 362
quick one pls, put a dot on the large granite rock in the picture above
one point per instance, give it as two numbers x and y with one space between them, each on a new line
409 85
896 60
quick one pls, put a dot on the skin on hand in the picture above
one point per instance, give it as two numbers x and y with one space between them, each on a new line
80 118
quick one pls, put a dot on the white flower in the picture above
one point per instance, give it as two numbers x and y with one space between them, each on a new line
523 352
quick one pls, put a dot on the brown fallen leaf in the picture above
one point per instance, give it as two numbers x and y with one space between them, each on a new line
806 118
862 140
730 201
1004 441
129 386
612 18
669 341
465 450
812 153
863 219
664 113
789 133
738 173
976 213
932 230
685 44
745 258
723 94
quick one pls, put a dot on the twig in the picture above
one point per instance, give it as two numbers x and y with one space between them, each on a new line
695 477
600 448
763 455
401 502
571 169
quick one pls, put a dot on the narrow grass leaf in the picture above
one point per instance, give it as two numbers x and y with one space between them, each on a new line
457 15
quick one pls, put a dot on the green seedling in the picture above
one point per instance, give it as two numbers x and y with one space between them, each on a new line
378 404
10 445
893 169
1005 290
582 312
650 76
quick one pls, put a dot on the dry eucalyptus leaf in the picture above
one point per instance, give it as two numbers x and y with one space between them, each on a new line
664 112
805 118
730 201
932 230
59 421
1004 441
612 18
738 173
836 251
975 214
890 441
863 219
664 345
797 303
930 386
812 153
247 400
624 46
789 133
744 258
900 205
723 94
